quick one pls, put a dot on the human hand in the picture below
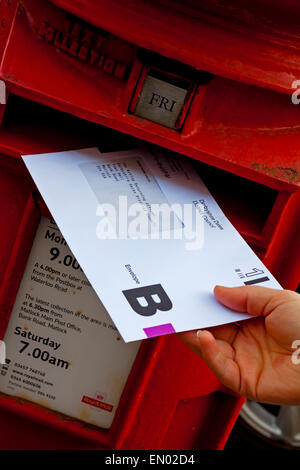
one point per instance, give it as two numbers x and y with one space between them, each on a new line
255 358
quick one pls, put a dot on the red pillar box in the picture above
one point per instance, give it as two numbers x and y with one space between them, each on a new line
113 65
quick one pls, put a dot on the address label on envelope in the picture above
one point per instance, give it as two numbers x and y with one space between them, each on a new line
149 236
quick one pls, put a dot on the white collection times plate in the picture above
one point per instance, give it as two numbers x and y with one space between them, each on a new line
63 350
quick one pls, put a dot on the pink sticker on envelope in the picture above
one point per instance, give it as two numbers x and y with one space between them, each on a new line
159 330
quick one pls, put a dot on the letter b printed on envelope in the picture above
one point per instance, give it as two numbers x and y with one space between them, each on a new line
148 294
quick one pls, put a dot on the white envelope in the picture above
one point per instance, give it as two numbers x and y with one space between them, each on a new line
152 278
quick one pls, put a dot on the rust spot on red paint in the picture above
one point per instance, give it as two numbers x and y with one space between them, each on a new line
11 78
289 174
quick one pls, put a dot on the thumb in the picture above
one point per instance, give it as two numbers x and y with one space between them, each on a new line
254 300
281 309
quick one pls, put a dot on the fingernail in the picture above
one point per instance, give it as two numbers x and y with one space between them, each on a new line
199 333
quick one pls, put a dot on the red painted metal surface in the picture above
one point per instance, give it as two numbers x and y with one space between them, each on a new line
255 42
241 126
223 128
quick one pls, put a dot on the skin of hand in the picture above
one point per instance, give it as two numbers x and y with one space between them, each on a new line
254 358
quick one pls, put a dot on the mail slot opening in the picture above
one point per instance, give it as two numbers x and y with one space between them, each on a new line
253 208
250 206
31 127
